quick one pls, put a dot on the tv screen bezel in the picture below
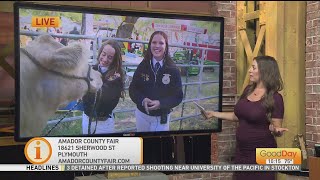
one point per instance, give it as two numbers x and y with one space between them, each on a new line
120 12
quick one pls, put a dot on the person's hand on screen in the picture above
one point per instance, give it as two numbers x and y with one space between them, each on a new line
277 131
154 105
145 103
210 114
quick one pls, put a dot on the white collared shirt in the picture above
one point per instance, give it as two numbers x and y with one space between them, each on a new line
103 69
154 61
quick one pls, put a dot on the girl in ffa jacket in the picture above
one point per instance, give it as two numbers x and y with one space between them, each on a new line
156 86
110 66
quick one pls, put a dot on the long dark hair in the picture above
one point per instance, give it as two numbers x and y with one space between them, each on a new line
116 64
271 79
167 59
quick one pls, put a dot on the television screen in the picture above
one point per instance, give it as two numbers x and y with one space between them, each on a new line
69 82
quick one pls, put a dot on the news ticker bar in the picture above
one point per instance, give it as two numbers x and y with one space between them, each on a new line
149 167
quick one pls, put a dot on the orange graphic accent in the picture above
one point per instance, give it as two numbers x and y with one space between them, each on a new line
45 21
38 151
35 147
265 154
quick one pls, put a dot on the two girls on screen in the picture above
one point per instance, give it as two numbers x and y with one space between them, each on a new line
156 86
259 110
110 66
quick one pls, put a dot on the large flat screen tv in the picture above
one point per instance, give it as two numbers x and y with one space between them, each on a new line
46 92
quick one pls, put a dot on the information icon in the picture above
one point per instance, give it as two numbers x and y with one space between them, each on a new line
38 150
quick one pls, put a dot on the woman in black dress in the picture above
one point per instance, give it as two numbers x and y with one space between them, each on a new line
259 110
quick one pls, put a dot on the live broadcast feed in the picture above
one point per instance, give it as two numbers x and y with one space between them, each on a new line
194 46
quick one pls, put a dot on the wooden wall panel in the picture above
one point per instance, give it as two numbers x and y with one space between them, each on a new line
139 4
6 84
121 4
6 27
101 4
199 7
6 6
189 7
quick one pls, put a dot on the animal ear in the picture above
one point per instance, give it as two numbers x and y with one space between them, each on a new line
68 57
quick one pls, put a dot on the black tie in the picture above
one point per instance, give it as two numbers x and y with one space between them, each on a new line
157 66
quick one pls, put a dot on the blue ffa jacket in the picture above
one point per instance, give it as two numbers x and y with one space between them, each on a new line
107 100
166 87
